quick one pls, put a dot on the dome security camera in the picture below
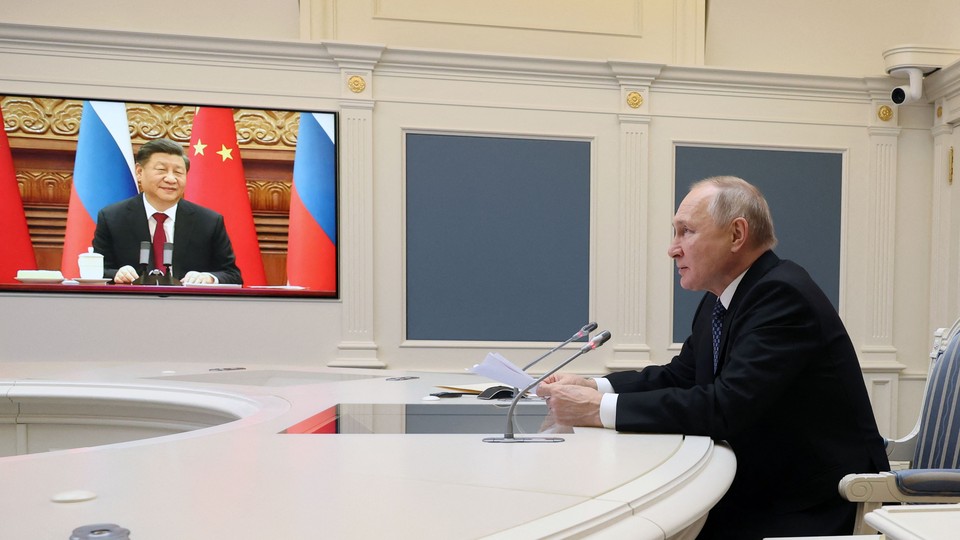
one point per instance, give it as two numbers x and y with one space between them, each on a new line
910 92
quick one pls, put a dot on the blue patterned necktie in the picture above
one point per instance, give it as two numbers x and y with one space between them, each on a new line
718 312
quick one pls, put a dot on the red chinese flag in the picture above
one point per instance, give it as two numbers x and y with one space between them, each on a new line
16 250
216 181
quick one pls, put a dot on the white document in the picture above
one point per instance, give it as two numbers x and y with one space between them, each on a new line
498 368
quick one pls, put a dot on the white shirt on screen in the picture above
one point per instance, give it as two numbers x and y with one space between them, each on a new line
168 225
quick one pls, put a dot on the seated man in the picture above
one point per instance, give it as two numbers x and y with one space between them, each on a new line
768 367
202 251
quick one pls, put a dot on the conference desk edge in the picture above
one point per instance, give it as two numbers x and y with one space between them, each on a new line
667 501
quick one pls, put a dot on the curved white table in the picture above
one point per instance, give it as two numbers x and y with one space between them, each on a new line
916 521
247 479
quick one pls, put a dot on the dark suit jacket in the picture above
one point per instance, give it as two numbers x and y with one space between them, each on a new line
200 240
788 397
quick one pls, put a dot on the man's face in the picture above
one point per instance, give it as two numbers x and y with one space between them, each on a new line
162 179
700 248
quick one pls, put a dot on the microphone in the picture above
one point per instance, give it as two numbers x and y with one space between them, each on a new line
585 331
144 253
168 278
508 436
167 254
144 261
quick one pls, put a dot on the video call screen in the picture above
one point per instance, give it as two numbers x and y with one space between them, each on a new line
272 174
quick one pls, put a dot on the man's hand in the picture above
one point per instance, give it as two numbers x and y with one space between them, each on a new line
194 277
126 274
573 404
569 378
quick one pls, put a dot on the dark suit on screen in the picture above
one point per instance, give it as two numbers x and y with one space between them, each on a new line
200 240
788 397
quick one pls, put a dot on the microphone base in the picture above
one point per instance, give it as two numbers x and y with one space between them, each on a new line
510 439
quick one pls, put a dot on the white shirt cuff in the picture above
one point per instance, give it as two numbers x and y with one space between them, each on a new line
608 403
608 410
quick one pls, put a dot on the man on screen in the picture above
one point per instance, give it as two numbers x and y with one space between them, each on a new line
202 252
768 367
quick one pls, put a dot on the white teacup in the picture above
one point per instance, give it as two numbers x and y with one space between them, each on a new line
91 265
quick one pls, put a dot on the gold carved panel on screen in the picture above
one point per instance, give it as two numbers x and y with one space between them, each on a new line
43 138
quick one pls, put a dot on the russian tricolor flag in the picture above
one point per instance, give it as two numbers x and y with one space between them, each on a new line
312 242
102 175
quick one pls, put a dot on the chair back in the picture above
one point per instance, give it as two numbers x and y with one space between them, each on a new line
938 441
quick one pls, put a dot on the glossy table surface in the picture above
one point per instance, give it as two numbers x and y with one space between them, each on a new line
247 478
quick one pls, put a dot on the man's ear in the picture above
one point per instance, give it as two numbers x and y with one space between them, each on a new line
739 232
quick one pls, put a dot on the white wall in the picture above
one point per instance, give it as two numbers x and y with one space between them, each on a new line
816 36
254 19
824 36
669 31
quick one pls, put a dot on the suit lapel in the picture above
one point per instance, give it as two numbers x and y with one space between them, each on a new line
137 219
759 269
182 232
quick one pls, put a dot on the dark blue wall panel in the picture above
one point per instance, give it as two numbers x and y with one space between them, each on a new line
498 233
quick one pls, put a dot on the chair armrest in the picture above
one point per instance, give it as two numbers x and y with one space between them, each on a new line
913 486
869 487
929 482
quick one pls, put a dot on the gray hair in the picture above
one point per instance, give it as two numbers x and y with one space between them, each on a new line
738 198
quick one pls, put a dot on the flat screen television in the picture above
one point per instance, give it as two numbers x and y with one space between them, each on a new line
285 160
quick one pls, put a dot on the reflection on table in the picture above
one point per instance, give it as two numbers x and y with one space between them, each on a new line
380 418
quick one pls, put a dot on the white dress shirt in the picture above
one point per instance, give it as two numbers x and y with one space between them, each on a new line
168 225
608 402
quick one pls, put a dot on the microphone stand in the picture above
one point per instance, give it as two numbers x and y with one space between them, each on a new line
585 331
153 277
168 278
143 275
508 436
587 328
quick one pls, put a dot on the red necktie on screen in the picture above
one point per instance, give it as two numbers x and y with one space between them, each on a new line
159 238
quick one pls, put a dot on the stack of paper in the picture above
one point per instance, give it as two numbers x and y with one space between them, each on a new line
498 368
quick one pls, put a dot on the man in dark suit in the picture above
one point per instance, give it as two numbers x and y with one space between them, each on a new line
202 251
781 383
